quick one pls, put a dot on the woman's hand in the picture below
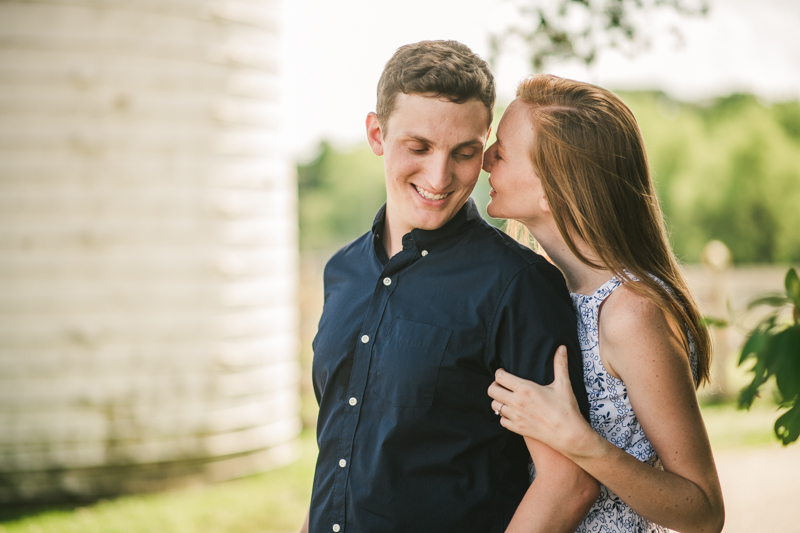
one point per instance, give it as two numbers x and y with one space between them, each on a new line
548 414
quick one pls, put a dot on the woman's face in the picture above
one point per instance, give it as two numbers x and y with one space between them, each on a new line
516 189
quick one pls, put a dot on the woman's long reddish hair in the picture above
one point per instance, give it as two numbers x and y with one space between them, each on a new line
589 153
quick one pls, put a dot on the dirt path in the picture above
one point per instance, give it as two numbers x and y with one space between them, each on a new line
761 487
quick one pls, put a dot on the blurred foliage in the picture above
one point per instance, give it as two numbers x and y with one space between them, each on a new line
774 345
340 191
581 29
727 169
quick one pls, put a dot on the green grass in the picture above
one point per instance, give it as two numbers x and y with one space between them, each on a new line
276 502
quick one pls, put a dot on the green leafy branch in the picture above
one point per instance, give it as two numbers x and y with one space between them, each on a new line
774 347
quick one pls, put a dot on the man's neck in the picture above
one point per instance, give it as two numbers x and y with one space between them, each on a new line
392 237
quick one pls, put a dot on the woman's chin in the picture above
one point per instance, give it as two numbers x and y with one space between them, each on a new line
494 213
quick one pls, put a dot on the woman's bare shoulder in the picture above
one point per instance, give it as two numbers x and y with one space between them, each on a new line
632 325
625 311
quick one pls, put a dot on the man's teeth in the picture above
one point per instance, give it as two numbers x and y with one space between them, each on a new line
425 194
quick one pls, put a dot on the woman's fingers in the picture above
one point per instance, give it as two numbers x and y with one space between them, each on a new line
509 381
503 400
560 370
561 367
500 408
499 393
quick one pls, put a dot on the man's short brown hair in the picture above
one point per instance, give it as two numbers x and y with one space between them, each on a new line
442 69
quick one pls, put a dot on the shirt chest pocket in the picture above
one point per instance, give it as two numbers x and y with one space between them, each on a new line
408 362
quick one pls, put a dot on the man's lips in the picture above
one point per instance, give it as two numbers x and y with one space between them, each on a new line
429 195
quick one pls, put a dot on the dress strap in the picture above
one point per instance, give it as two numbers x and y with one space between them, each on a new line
606 289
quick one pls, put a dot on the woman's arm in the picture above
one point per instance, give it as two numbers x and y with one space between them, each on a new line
639 346
558 499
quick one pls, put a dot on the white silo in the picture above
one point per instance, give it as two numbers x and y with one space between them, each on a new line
148 247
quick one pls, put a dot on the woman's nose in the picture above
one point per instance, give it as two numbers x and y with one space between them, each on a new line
487 160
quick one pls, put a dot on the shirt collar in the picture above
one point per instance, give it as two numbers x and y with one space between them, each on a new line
422 239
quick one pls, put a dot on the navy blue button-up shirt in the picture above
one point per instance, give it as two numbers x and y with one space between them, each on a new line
406 350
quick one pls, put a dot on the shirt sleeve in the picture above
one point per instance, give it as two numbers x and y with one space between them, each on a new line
534 317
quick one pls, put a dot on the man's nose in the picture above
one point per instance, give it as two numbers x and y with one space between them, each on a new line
440 173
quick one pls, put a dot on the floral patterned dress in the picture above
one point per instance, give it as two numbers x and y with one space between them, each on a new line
612 416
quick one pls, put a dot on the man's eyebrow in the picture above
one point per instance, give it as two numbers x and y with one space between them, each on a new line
421 139
473 142
418 138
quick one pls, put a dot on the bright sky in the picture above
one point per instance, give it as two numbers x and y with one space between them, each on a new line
334 52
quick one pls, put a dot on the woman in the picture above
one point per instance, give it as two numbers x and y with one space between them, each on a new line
570 166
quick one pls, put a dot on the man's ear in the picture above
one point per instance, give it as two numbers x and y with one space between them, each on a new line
374 134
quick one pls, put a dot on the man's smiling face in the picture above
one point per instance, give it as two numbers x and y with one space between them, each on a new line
432 155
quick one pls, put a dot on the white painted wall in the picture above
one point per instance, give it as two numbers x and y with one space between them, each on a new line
148 246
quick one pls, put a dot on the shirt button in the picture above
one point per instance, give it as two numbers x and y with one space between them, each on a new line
353 401
342 463
387 281
336 528
365 339
424 253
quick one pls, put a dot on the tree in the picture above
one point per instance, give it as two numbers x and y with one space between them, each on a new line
582 29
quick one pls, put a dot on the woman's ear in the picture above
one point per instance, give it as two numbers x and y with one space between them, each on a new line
374 133
544 205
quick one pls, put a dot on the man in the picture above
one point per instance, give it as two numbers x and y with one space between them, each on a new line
419 313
